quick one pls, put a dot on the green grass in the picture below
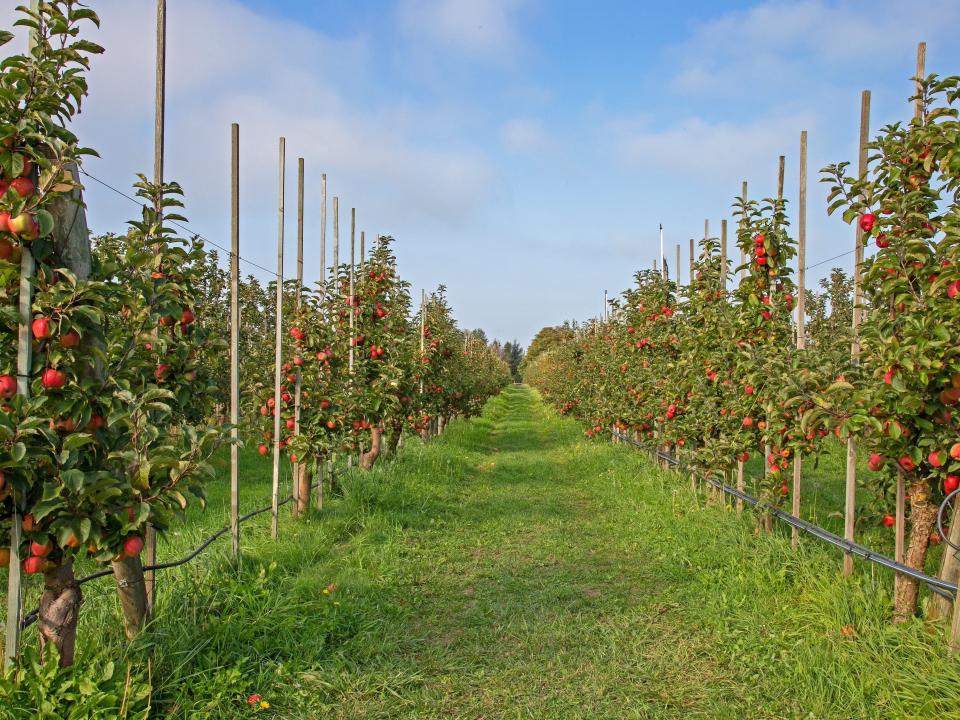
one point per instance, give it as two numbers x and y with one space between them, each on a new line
513 569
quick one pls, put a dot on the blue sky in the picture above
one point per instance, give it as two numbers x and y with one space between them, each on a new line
522 152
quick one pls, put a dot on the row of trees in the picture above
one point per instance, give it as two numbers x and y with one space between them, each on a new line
714 370
114 372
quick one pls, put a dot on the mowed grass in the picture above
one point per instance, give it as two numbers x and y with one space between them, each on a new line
514 569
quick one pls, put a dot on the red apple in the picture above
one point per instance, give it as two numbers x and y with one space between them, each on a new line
161 371
23 186
40 328
5 225
875 462
53 379
33 565
889 520
263 450
907 463
8 386
951 483
70 339
132 546
955 451
743 457
935 458
867 221
748 389
747 421
24 226
186 317
41 549
291 423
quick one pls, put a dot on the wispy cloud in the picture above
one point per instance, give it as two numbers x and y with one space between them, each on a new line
481 29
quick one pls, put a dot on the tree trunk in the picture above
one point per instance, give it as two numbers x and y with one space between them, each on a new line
303 484
923 517
393 438
368 459
59 611
132 593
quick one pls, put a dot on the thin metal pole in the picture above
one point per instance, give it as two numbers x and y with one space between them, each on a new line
663 258
323 231
723 255
850 499
235 338
278 349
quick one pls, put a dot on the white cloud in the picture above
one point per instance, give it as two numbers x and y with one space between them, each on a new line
523 134
484 29
779 43
274 77
701 150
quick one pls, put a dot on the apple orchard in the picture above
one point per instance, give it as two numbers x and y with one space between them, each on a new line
114 379
712 371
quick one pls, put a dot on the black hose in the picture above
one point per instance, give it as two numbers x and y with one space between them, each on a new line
31 616
941 587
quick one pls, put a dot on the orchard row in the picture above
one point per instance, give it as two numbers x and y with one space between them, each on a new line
113 374
715 372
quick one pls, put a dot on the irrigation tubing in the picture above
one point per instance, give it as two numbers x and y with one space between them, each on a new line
31 617
941 587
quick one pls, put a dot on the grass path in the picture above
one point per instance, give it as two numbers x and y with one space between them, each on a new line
514 569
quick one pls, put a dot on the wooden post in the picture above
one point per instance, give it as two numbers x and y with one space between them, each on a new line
723 255
150 536
24 366
692 255
850 507
336 287
326 466
278 349
900 527
678 266
706 228
423 330
801 320
299 503
11 647
353 238
235 338
363 249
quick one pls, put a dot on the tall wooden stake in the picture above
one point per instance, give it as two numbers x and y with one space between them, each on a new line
353 239
678 265
150 536
278 349
900 527
801 320
741 482
850 502
298 502
327 466
11 646
235 338
692 255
